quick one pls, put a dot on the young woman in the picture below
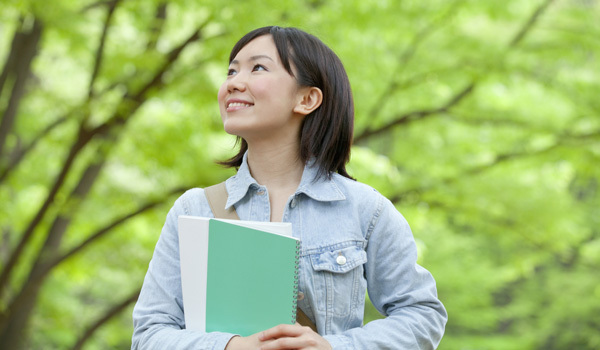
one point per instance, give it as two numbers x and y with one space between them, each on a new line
287 97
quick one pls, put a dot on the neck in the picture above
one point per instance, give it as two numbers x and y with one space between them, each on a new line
276 167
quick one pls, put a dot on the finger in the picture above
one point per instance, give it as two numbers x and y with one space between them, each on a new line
302 342
282 330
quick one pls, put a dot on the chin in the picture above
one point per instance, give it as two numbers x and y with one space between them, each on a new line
232 129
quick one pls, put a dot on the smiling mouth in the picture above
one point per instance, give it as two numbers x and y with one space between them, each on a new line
238 105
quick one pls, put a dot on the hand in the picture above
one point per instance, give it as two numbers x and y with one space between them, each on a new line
286 336
244 343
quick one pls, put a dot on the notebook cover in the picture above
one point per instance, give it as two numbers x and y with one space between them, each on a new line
250 277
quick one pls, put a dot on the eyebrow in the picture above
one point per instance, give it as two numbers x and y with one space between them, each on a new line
254 58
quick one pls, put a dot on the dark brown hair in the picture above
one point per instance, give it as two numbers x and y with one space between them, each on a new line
326 133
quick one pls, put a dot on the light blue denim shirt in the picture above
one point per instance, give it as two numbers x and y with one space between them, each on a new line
353 240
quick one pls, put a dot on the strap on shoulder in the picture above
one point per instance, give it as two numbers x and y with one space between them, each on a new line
217 199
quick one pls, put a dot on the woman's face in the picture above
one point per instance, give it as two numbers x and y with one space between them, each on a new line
258 97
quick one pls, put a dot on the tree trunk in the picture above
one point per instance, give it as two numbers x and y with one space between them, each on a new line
18 67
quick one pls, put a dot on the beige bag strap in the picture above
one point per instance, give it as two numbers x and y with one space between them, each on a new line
217 198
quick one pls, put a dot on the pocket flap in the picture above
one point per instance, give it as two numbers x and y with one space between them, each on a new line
340 260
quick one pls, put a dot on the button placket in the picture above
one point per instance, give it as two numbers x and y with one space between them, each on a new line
260 204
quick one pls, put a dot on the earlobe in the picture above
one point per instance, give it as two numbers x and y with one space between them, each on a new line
310 99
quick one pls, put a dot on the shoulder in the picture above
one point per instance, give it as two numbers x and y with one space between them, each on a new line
357 191
192 202
368 200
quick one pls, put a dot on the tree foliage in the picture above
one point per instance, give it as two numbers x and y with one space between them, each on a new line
479 120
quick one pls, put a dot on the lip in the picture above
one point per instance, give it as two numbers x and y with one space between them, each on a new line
237 104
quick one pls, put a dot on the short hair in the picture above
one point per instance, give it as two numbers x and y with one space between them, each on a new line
326 133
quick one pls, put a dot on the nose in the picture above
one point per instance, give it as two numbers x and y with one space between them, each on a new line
236 82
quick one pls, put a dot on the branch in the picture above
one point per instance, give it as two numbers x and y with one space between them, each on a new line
97 65
110 313
129 77
126 108
82 139
499 159
106 229
157 25
42 264
407 55
97 4
122 114
529 24
18 156
21 305
478 121
172 56
63 218
484 216
100 51
416 115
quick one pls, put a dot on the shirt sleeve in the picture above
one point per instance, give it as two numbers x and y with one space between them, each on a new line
399 288
158 317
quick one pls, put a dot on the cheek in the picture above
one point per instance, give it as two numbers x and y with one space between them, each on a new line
222 93
221 96
263 87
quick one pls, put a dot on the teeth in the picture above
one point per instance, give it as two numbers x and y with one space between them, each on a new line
238 104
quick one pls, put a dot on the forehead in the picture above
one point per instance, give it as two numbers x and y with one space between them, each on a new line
260 46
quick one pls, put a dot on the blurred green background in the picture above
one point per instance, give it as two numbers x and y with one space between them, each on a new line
479 119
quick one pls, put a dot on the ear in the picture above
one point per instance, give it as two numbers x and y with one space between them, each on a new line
310 98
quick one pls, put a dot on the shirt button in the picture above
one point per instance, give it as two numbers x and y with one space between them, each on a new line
341 260
293 203
260 192
300 295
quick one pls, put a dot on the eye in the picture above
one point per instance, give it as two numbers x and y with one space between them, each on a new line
231 71
258 67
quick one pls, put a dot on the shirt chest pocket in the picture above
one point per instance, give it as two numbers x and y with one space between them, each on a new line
338 278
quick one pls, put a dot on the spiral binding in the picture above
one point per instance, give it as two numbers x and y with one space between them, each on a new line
296 282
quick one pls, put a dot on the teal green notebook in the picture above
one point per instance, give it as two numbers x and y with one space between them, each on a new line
251 276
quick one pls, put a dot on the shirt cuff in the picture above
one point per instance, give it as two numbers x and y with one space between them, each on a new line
222 339
338 342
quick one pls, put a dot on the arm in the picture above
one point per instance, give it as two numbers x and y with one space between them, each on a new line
158 314
399 288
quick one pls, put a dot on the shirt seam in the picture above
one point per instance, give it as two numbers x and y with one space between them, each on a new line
375 218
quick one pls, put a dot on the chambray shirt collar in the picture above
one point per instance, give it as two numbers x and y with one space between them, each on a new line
322 189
